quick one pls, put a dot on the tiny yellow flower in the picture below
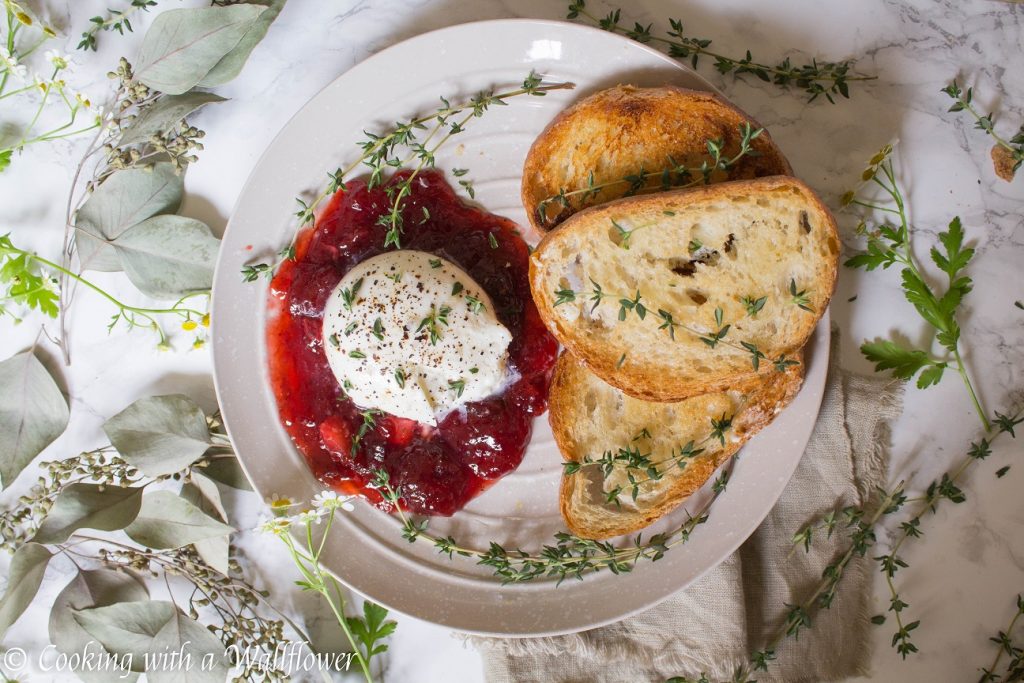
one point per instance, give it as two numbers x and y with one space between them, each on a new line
189 325
206 320
24 18
49 32
868 174
163 346
198 343
279 504
846 198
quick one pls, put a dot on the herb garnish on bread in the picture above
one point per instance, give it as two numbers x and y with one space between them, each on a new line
626 140
628 461
680 293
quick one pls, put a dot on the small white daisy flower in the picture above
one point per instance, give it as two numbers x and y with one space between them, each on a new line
309 517
59 60
276 526
332 500
280 504
9 63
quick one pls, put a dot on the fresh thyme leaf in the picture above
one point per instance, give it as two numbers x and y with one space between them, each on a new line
349 294
493 240
753 305
378 329
564 296
356 353
475 305
458 386
435 263
457 288
400 378
816 79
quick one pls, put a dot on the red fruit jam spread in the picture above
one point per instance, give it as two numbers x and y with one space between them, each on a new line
438 469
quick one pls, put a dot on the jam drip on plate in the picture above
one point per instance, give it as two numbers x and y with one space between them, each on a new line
438 469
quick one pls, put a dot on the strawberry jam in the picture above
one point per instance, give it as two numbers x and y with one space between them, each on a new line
437 469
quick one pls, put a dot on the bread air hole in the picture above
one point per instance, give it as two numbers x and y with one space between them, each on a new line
590 402
805 222
697 297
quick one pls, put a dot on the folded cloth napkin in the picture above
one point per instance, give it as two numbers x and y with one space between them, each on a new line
714 625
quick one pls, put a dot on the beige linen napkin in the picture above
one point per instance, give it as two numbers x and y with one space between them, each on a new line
716 623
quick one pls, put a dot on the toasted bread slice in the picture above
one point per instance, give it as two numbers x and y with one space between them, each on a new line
617 133
670 295
589 417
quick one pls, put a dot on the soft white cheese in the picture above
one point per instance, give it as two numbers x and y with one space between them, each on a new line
413 335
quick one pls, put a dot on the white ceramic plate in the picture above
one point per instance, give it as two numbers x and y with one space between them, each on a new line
366 550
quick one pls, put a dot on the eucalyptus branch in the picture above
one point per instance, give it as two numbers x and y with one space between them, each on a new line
383 152
569 556
1011 151
889 245
816 78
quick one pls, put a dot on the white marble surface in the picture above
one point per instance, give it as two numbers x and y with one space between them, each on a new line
966 572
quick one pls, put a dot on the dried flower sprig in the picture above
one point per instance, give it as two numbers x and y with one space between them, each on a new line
816 79
1004 640
1007 155
363 634
399 147
24 281
890 244
570 556
51 90
116 20
676 175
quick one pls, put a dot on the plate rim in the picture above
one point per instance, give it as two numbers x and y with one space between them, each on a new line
819 338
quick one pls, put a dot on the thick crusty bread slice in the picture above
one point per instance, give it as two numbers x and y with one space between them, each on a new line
705 257
617 132
589 417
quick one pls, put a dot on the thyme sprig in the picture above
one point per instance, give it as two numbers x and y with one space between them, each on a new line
116 20
888 244
817 79
944 488
1004 639
633 304
675 175
637 464
570 556
1012 149
860 523
403 145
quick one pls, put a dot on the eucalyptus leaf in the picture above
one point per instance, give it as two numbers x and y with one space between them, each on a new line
91 588
160 435
127 629
184 45
164 115
204 494
228 472
203 660
167 257
89 506
124 199
167 520
33 412
23 578
231 65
